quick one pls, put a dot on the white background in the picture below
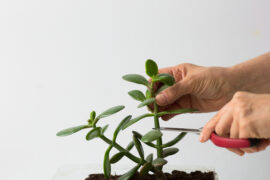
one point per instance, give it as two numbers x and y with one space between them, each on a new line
60 59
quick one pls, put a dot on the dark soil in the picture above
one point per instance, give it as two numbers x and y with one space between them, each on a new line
175 175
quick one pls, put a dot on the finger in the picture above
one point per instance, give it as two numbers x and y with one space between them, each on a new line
209 128
171 94
260 147
224 124
174 106
168 70
236 151
234 132
264 144
167 117
169 108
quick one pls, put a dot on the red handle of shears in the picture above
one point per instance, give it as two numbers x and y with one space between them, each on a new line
233 143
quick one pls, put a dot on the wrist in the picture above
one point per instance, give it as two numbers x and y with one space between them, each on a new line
239 78
252 76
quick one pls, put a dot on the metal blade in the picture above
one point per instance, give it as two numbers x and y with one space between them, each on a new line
196 131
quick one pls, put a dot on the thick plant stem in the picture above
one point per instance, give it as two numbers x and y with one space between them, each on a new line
157 126
120 148
159 140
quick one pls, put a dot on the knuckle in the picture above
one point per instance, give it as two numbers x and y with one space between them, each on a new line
239 95
186 64
243 126
219 130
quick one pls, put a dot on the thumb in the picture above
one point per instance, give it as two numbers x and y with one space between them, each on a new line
171 94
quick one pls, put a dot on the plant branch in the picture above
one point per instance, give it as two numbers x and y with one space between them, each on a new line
157 126
121 149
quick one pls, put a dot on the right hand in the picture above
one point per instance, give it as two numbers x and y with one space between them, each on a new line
203 88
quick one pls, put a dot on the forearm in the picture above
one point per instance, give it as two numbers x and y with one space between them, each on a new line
252 75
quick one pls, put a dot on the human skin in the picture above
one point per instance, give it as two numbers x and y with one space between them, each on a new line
247 115
214 89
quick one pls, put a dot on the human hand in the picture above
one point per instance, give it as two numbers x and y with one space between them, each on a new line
247 115
203 88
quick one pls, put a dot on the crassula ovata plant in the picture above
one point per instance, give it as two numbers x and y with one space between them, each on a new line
144 164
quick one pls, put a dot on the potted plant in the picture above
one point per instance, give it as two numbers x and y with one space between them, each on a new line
146 166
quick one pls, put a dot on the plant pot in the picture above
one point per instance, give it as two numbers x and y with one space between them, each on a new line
81 172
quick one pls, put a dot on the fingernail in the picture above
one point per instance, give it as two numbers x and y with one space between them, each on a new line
160 99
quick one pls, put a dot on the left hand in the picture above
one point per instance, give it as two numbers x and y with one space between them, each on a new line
247 115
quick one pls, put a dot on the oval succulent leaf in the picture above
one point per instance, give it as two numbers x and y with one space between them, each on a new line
117 157
110 111
169 151
151 68
92 115
149 158
165 78
106 163
175 140
151 136
137 95
130 146
159 162
132 121
119 127
136 78
104 128
162 88
147 102
178 111
130 173
139 136
93 134
138 146
72 130
147 94
145 169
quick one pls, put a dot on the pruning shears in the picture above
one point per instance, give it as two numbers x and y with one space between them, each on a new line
216 139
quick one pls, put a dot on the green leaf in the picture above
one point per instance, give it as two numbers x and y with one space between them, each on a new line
119 127
175 140
151 136
136 78
72 130
139 136
149 158
130 146
178 111
132 121
104 128
130 173
137 95
93 133
151 68
165 78
147 94
138 146
106 163
162 88
145 169
147 102
169 152
92 115
110 111
117 157
159 162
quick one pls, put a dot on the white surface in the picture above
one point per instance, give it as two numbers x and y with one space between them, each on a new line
59 59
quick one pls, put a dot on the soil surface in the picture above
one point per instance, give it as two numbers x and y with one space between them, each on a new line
175 175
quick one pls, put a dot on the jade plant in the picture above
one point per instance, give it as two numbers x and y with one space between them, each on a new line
144 164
